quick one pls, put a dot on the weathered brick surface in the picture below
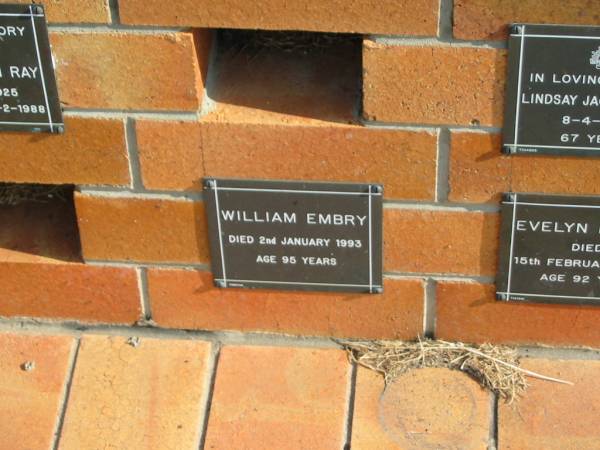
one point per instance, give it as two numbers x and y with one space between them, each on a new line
72 11
152 230
416 17
171 154
42 231
91 151
283 398
136 397
488 19
424 408
440 241
480 173
70 292
554 416
29 410
188 299
128 70
175 155
469 312
433 84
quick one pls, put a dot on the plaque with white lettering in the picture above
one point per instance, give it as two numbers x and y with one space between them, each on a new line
549 249
295 235
553 90
28 93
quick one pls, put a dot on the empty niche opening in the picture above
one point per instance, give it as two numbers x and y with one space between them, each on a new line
286 76
38 223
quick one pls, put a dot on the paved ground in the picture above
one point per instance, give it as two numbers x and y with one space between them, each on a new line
154 389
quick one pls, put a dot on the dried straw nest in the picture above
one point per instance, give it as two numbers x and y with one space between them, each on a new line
15 194
495 367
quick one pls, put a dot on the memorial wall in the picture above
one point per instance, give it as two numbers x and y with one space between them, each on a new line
375 169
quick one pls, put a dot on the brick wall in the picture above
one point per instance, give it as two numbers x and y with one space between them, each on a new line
152 104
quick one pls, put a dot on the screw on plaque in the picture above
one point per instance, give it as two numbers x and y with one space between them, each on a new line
516 29
509 197
509 149
38 9
377 188
60 129
220 283
210 184
378 290
28 366
501 297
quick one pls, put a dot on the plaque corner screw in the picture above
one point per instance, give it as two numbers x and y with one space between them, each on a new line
37 9
60 129
516 29
501 297
378 290
209 184
377 188
509 150
220 283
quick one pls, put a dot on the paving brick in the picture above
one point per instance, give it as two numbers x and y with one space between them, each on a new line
440 241
69 291
175 155
424 408
469 312
488 19
158 71
147 230
136 397
480 173
91 151
72 11
31 400
554 416
433 84
188 299
283 398
416 17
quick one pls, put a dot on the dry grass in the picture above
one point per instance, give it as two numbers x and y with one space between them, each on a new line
495 367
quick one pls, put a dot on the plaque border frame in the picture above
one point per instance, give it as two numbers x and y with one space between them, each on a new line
512 106
211 186
44 60
512 198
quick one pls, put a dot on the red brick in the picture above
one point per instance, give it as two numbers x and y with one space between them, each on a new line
469 312
72 11
488 19
31 400
279 398
424 408
188 299
175 155
480 173
136 397
171 154
69 291
39 231
424 241
91 151
148 230
554 416
416 17
128 70
433 84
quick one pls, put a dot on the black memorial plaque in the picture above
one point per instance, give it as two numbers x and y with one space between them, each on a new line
295 235
553 90
28 94
550 249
